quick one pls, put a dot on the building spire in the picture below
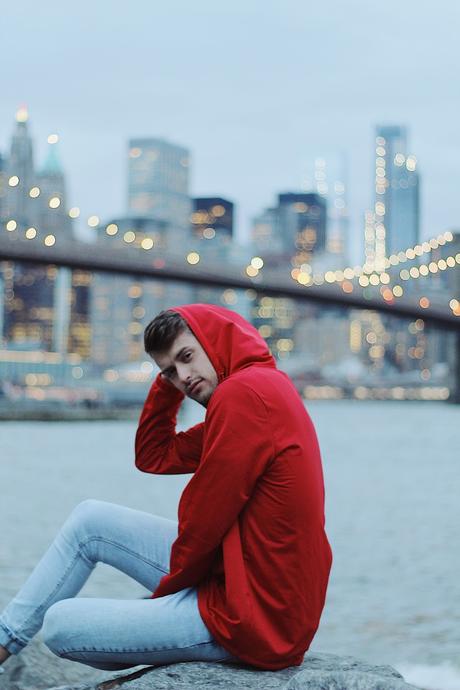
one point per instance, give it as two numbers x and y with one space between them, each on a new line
52 164
22 114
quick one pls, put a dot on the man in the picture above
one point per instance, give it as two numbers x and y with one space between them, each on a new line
243 574
251 520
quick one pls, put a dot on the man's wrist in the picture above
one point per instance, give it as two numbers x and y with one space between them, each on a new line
166 385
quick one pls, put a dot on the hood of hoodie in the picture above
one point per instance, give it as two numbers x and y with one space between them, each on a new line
230 341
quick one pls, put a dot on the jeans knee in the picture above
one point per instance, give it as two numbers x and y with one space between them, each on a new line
85 516
54 629
89 511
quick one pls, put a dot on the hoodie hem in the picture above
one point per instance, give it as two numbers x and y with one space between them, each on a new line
246 658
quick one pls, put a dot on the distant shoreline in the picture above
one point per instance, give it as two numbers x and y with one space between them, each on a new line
70 415
99 414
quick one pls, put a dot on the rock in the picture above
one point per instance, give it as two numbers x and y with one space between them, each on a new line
37 668
345 681
330 672
318 672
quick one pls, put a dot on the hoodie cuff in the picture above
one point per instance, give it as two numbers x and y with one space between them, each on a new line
164 386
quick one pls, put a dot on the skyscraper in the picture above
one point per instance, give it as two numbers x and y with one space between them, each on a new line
121 307
3 188
294 230
302 222
289 234
79 328
37 312
29 291
158 218
396 195
19 204
327 176
53 216
212 217
158 184
266 235
29 305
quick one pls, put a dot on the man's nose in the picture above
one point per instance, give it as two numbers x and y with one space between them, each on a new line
183 373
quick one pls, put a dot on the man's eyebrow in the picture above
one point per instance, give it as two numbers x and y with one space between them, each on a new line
178 354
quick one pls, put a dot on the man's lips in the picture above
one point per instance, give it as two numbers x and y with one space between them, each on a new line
193 386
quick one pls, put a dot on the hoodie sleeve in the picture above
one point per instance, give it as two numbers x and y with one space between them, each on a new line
159 450
237 449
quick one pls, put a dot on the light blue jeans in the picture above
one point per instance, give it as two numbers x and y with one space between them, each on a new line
109 634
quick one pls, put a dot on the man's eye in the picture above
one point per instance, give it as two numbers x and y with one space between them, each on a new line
188 354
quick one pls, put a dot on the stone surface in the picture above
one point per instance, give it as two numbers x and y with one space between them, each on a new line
330 672
36 669
357 677
318 672
345 680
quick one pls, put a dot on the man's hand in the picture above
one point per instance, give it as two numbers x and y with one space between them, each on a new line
165 378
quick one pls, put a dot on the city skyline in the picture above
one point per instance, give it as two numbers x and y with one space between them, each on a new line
158 191
249 116
69 318
172 157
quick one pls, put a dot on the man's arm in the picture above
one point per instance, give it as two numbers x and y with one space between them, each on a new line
159 449
237 449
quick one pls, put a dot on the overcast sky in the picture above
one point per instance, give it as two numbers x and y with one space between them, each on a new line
253 88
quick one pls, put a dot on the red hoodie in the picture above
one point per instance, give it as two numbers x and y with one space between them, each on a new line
251 519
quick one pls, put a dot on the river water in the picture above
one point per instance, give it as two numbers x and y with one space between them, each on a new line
393 518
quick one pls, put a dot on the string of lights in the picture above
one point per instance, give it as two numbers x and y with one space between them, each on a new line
252 270
302 274
365 273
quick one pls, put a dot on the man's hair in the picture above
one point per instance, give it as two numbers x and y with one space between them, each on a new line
160 334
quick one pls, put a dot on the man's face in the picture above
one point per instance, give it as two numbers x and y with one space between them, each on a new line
188 367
